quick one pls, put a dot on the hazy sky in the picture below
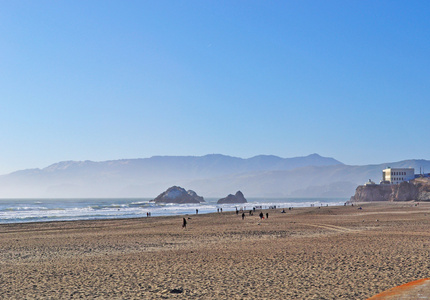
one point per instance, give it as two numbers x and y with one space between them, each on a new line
103 80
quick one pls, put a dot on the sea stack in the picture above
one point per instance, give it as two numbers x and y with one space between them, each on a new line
231 199
178 195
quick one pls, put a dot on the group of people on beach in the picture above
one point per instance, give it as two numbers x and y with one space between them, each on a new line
261 215
251 213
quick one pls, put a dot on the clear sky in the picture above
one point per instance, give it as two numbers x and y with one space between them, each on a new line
101 80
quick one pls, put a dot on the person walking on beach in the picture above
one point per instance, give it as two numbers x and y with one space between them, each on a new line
243 216
261 216
267 215
184 223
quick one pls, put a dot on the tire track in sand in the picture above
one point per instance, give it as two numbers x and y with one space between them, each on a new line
330 227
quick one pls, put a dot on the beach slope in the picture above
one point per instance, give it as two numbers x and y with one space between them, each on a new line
306 253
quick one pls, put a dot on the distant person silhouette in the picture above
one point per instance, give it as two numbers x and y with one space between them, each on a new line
184 223
267 215
243 216
261 215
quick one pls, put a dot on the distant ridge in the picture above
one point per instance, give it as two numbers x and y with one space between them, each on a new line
212 175
188 166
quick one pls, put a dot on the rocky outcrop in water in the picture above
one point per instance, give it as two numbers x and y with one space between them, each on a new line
231 199
178 195
417 189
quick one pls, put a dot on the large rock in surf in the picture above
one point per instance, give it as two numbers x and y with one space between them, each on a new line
178 195
231 199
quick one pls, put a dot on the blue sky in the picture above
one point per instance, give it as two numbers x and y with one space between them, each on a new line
100 80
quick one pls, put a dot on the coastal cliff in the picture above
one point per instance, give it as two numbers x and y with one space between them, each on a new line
417 189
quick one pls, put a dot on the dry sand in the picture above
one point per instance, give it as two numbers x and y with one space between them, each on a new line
307 253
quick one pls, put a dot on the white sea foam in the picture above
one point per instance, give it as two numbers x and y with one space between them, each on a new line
41 210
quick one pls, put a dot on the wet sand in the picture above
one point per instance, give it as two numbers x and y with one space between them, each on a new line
307 253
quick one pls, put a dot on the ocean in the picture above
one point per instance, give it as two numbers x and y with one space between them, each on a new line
45 210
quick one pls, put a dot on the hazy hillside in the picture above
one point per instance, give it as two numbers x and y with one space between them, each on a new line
211 176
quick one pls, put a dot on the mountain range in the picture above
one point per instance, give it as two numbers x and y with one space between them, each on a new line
211 175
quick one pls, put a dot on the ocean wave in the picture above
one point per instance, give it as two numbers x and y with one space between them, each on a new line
88 209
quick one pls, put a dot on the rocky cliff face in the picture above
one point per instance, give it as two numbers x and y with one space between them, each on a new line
231 199
423 185
176 194
418 189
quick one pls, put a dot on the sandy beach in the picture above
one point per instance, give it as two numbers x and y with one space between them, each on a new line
305 253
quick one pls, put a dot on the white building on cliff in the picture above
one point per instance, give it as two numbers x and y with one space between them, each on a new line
397 175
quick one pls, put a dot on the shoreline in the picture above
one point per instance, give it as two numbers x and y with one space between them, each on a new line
29 211
334 252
